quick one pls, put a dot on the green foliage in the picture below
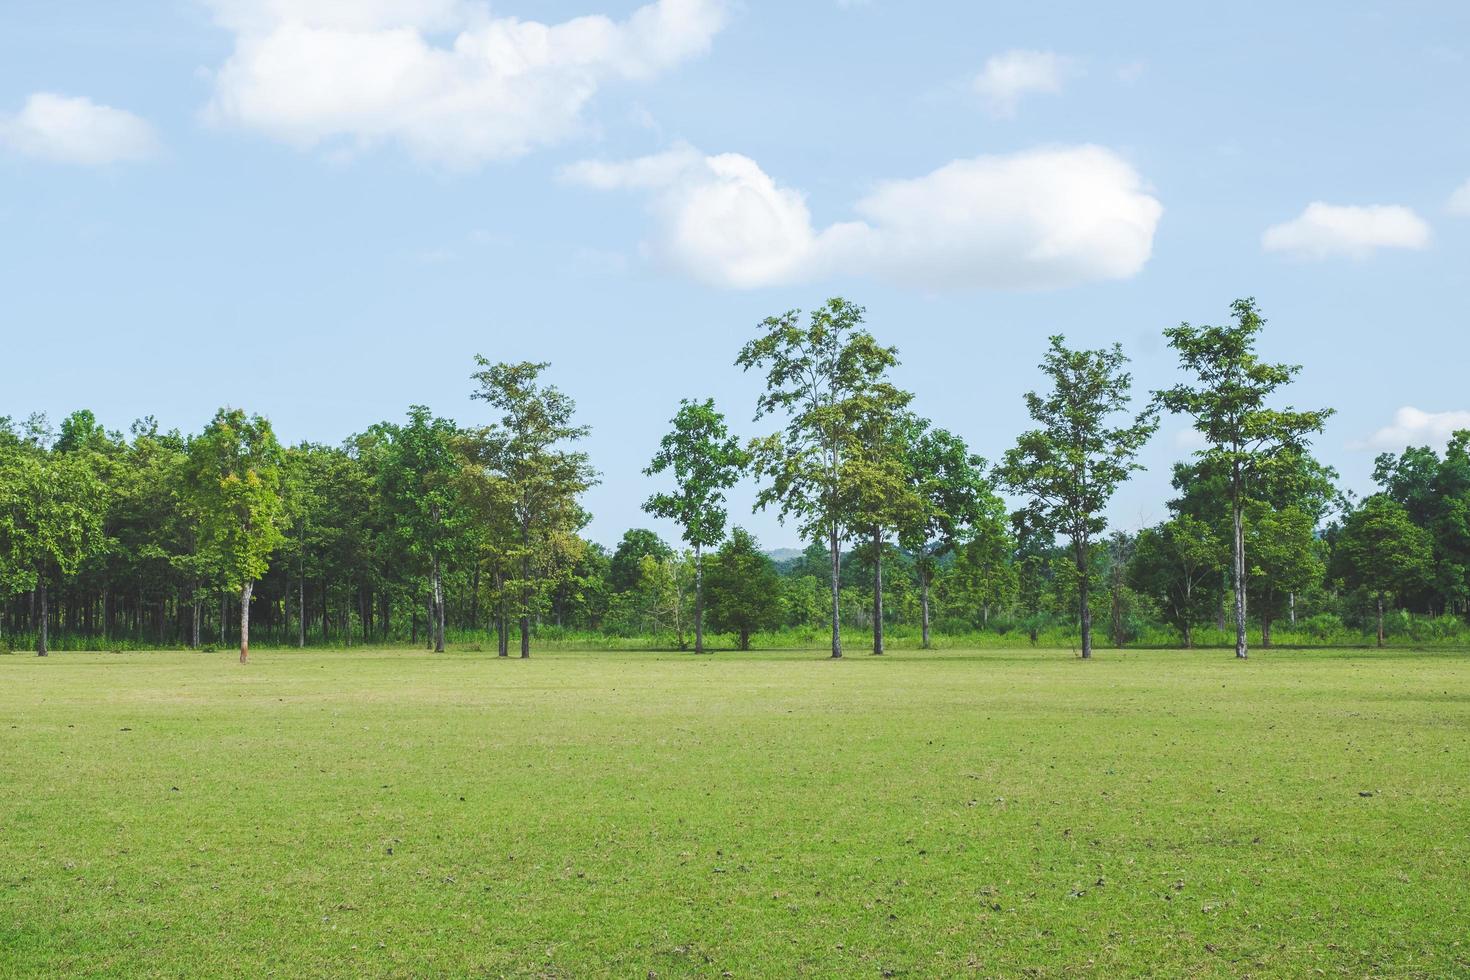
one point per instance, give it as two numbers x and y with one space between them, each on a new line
707 460
1248 441
1071 465
1381 550
831 465
235 479
625 568
743 589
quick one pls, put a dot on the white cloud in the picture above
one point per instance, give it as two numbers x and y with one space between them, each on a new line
1008 77
1460 200
1413 427
1325 230
72 129
367 72
1041 219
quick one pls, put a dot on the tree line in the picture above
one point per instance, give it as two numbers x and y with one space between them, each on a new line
412 529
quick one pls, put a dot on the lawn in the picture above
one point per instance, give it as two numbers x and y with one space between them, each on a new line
775 814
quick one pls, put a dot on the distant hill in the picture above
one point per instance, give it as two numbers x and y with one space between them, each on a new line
780 555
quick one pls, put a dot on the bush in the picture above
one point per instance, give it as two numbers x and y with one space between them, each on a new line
1322 626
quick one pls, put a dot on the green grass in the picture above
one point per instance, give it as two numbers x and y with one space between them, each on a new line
773 814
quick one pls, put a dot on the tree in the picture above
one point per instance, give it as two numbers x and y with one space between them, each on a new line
1285 559
418 483
51 509
1228 406
707 460
235 471
883 495
1173 564
1436 494
827 379
957 502
529 449
625 567
1382 551
1070 467
744 589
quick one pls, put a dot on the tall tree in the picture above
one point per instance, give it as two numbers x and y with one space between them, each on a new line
884 497
827 378
235 470
418 482
530 449
1228 405
1071 465
1382 551
707 460
957 502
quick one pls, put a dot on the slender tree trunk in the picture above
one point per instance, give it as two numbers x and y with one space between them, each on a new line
198 617
1084 597
502 626
698 598
1239 570
1117 613
300 606
836 592
525 590
438 609
744 638
1184 617
246 591
1291 607
1265 627
877 592
1380 617
223 612
43 620
475 599
924 605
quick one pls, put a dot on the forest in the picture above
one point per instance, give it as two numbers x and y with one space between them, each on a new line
427 531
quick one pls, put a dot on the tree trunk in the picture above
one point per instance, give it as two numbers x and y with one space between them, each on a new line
1184 613
42 621
245 592
877 592
1265 627
525 610
438 624
198 617
836 592
744 639
924 605
1239 570
1224 587
502 626
300 607
1117 612
1291 606
698 599
1380 617
1084 590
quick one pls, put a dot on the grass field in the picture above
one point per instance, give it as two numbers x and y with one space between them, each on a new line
776 814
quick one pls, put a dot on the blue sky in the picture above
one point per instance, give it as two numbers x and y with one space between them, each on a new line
321 209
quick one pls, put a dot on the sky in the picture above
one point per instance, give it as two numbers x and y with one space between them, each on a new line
321 210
